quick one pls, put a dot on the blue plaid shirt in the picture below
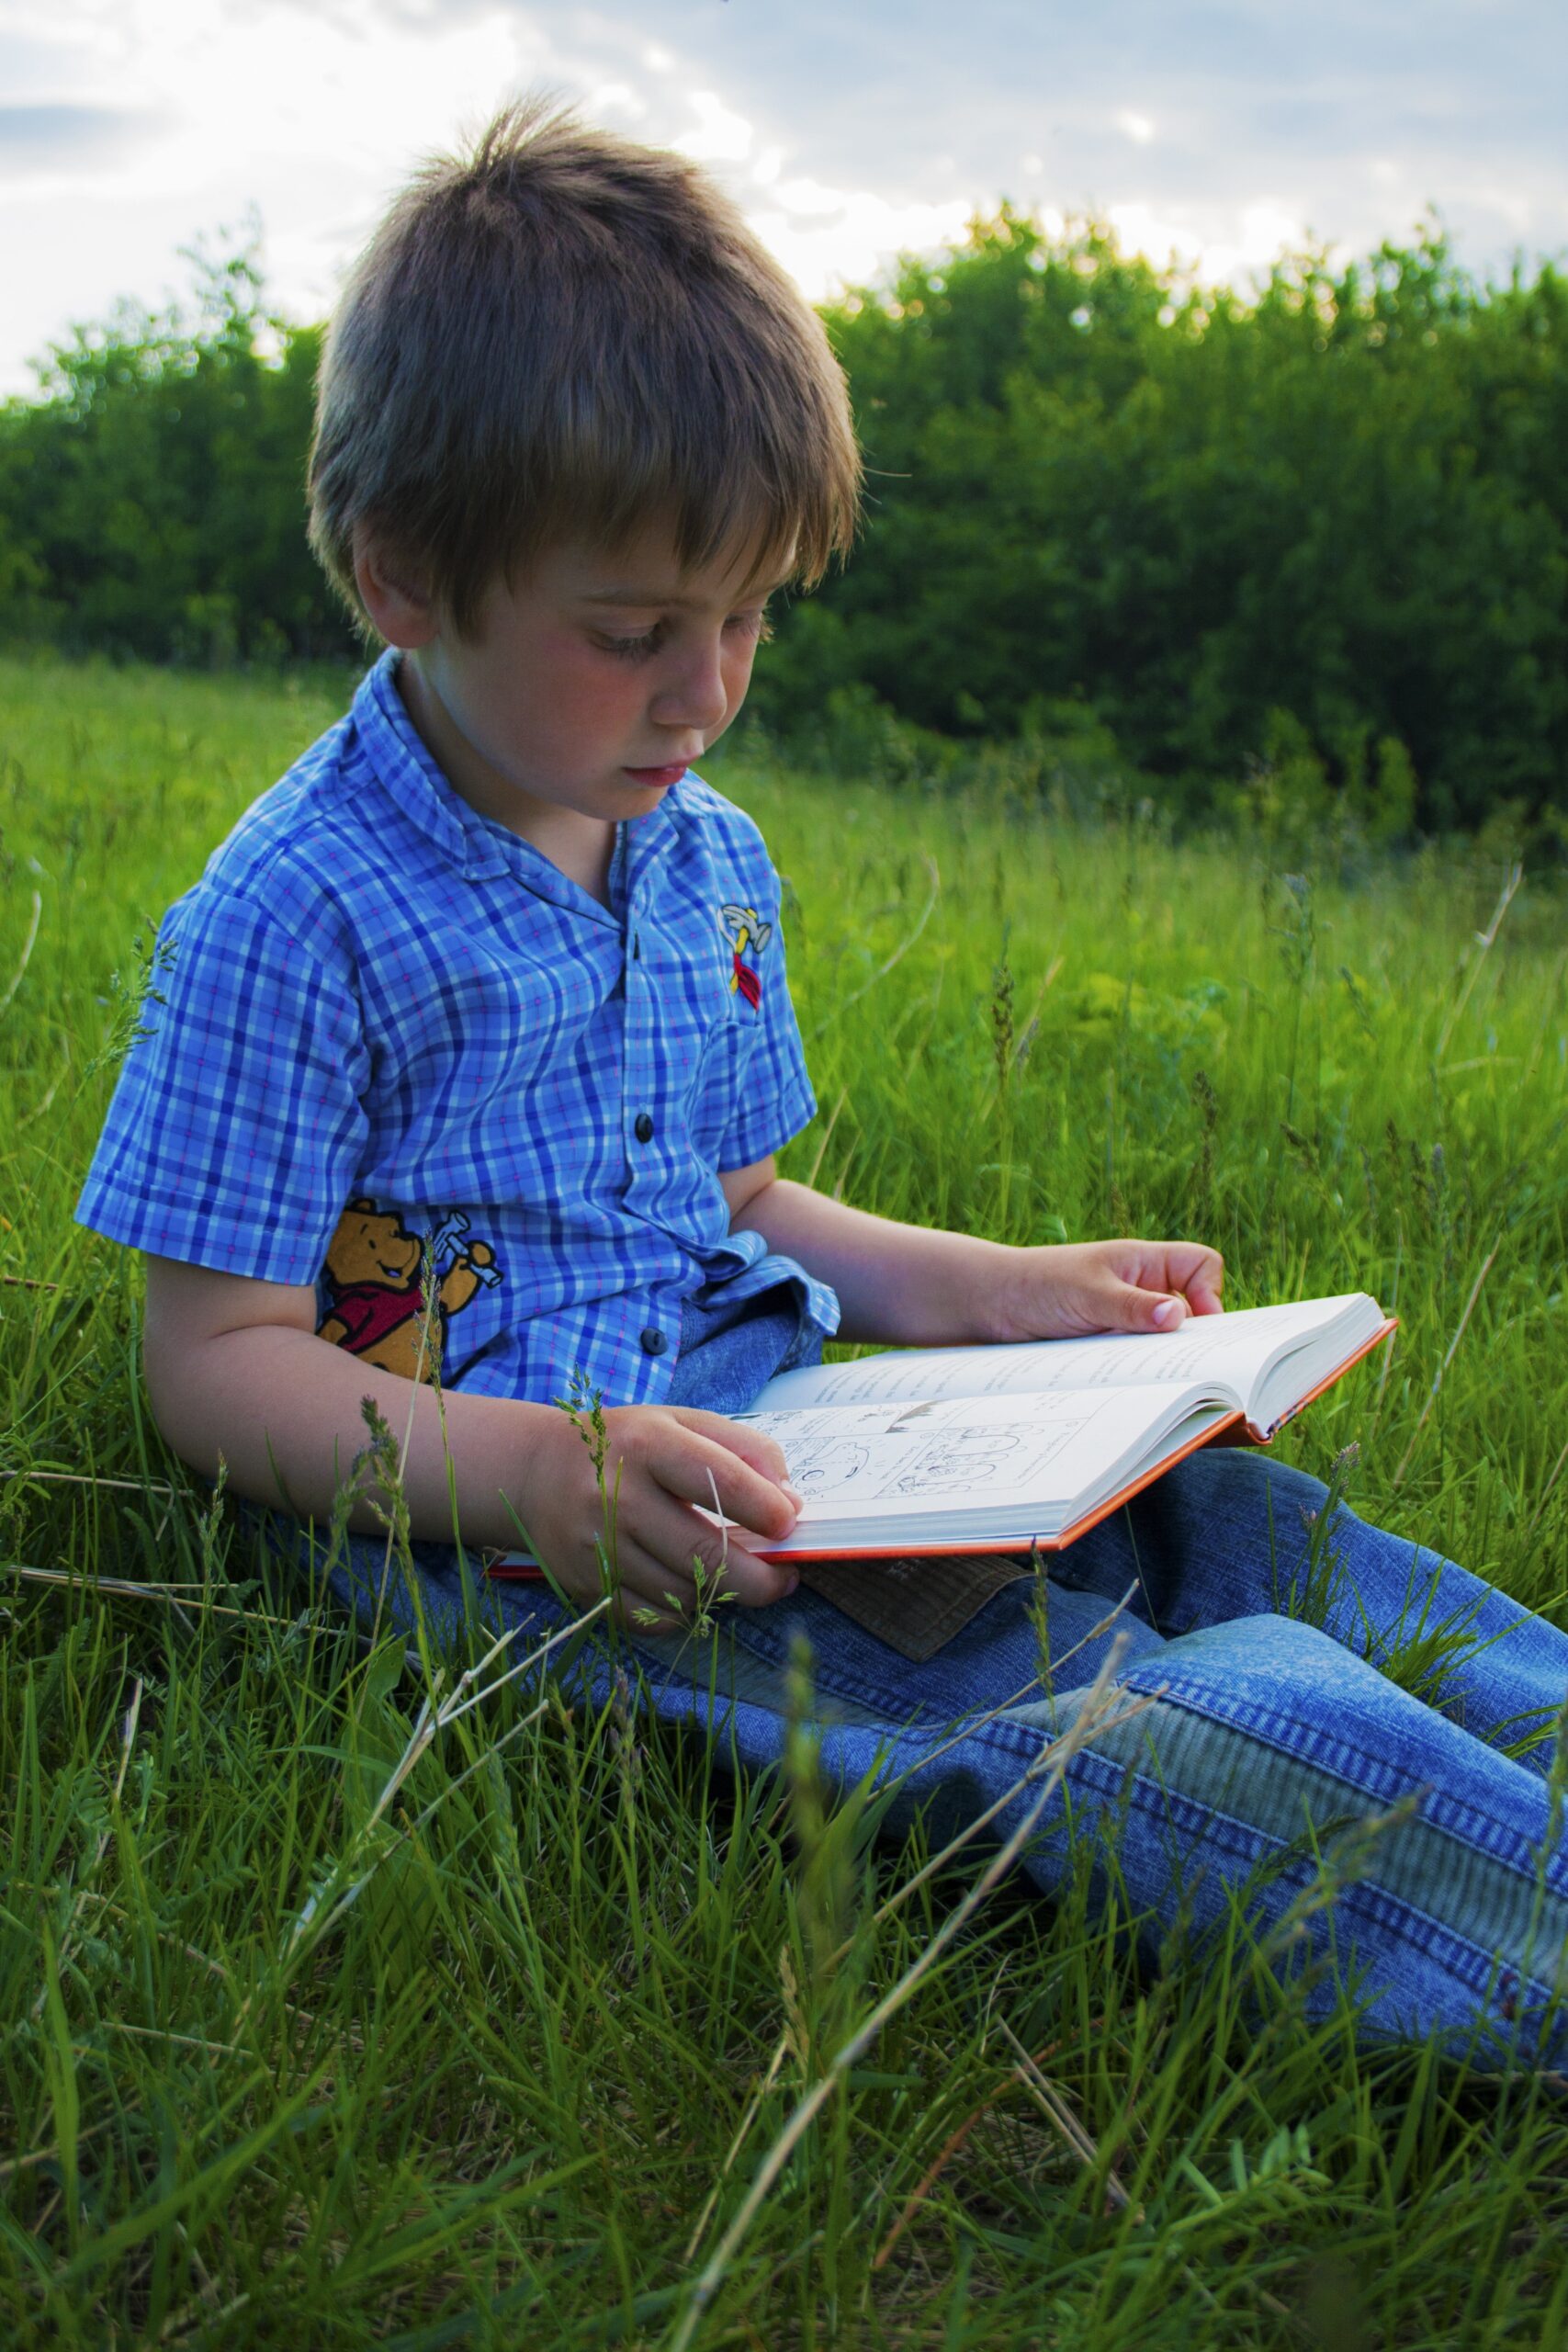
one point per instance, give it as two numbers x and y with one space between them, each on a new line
387 1027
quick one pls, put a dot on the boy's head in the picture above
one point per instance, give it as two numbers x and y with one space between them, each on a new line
564 337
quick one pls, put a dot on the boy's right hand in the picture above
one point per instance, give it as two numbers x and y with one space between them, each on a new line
661 1459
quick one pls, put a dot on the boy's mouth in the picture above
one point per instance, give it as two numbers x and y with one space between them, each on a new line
657 776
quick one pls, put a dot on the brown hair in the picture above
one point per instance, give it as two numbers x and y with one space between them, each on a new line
564 333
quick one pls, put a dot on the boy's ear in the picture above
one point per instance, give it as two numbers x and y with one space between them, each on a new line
397 601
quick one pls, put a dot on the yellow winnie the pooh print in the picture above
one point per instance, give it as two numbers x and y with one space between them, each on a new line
374 1272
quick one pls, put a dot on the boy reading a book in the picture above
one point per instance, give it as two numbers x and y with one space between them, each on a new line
474 1048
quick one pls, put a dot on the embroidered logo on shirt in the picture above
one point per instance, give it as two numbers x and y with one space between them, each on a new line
748 935
373 1271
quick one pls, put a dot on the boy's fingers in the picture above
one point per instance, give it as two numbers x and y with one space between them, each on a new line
1156 1286
764 1453
668 1531
1130 1308
651 1589
695 1465
1198 1271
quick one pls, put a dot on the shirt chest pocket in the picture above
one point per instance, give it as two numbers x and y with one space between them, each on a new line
720 1079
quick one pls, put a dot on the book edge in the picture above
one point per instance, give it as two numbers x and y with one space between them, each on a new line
1260 1436
1222 1431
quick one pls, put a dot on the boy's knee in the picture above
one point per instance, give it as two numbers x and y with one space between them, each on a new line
1240 1478
1252 1508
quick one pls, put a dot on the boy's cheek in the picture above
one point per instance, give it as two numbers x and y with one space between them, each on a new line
742 685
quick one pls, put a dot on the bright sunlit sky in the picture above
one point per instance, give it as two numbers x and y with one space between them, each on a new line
848 129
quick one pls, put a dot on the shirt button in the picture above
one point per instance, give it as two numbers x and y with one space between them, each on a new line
643 1127
654 1340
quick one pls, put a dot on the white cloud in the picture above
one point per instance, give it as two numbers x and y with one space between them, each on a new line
1220 249
722 136
338 104
847 134
830 238
375 87
339 101
604 100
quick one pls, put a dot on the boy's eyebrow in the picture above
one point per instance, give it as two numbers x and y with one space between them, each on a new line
636 595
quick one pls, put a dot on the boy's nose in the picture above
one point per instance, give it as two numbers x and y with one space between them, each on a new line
695 694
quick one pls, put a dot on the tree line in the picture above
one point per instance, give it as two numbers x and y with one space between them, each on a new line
1320 530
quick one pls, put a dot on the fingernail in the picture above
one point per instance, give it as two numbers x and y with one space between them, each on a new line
793 1584
797 1498
1165 1313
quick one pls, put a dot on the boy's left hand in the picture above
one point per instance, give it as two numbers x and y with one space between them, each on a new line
1073 1289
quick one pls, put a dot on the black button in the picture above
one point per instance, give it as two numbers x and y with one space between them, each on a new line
643 1127
654 1342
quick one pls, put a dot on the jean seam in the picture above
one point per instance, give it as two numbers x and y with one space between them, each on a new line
1464 1822
1241 1841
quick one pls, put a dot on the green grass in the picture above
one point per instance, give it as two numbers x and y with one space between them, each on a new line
521 2090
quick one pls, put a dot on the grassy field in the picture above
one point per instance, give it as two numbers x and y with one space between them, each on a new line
524 2090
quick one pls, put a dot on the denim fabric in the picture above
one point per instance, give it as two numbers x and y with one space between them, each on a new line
729 1349
1259 1624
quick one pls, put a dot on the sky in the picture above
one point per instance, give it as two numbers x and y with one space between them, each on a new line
1221 131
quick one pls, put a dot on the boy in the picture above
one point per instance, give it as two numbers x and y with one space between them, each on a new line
492 976
471 961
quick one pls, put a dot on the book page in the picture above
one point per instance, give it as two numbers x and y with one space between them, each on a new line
900 1458
1226 1352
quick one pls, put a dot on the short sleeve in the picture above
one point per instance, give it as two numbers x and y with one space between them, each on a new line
236 1128
777 1101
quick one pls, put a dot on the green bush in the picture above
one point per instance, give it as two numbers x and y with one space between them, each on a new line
1319 535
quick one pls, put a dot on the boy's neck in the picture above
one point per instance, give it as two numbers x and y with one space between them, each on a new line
578 846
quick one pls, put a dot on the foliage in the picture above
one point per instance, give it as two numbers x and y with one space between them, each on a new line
152 499
1103 501
331 2015
1343 505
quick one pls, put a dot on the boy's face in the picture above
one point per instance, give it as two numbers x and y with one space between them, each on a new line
590 686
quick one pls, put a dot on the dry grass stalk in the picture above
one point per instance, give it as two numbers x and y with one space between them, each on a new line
827 1136
129 1589
1484 941
1054 1762
896 957
129 1723
1442 1369
323 1910
28 945
950 2148
981 1821
80 1478
1054 2107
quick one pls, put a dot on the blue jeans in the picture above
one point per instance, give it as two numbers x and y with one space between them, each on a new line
1256 1629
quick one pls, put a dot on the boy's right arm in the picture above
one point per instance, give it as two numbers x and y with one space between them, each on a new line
237 1373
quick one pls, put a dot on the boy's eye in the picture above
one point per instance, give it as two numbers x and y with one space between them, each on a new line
755 625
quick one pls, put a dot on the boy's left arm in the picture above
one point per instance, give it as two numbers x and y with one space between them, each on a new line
909 1285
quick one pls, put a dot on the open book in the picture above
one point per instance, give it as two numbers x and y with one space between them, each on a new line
999 1449
1002 1449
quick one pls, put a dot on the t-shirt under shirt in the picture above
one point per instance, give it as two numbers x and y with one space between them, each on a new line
387 1034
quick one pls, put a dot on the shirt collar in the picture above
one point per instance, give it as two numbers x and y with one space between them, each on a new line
477 845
